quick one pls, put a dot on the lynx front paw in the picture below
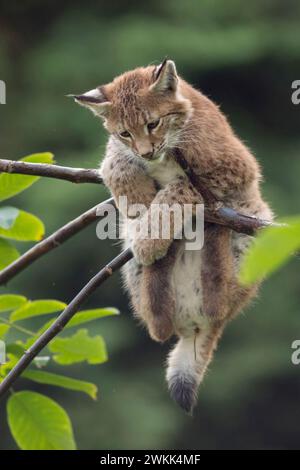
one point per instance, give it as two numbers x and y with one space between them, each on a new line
147 251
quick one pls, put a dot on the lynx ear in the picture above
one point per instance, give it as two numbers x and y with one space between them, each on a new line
166 78
95 100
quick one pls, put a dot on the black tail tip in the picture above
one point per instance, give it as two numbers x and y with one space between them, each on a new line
183 390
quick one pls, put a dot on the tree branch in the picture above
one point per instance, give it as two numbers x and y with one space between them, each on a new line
63 319
75 175
235 220
50 243
220 215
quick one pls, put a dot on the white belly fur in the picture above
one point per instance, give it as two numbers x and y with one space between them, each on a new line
187 286
164 170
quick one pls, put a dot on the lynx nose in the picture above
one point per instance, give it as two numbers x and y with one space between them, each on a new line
147 155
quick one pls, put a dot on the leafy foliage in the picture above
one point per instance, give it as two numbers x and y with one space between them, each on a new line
270 250
13 184
68 350
49 378
47 415
36 308
78 348
11 302
3 330
26 227
85 316
16 224
8 253
39 423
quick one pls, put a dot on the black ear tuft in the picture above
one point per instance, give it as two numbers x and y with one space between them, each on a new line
160 68
95 100
165 78
87 99
96 95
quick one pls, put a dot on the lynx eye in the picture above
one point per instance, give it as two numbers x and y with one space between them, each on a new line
153 125
125 134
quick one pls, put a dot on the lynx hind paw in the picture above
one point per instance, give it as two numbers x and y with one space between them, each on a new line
147 251
161 329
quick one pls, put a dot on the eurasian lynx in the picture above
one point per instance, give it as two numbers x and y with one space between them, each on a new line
158 124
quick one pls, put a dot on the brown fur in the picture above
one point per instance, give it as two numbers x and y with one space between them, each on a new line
190 125
157 301
217 269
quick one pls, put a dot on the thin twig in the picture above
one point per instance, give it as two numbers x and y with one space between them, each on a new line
236 221
221 215
50 243
75 175
63 319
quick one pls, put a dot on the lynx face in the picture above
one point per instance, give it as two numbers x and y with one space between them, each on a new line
142 108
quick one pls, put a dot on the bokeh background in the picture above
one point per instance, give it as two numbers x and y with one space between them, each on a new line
242 55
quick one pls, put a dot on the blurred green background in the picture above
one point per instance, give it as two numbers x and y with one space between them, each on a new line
242 55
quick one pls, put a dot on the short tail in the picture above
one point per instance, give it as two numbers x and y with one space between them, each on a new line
187 364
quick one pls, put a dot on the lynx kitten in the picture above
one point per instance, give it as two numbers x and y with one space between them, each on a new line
159 128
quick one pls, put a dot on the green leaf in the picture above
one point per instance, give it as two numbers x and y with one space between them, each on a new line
39 423
11 362
42 157
36 308
27 227
83 317
12 184
90 315
270 250
16 349
78 348
10 302
14 352
8 216
8 253
3 330
49 378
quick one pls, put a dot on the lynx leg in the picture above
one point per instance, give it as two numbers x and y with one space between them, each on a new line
217 271
157 301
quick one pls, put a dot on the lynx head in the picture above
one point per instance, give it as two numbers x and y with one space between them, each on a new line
142 108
